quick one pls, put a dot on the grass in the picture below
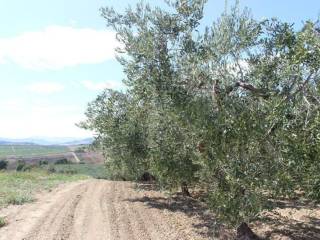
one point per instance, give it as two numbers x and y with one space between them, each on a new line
92 170
19 187
30 150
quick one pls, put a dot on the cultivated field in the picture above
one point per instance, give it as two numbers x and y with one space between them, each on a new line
30 150
34 154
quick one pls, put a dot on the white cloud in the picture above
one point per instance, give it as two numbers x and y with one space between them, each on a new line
57 47
45 87
73 22
99 86
12 103
41 120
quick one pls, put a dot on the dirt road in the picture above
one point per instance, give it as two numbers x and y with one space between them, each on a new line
99 209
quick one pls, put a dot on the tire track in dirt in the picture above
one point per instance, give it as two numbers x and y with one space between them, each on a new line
140 225
125 220
111 212
58 220
89 215
22 219
68 220
104 208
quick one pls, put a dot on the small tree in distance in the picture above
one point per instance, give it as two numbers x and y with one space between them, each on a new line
3 164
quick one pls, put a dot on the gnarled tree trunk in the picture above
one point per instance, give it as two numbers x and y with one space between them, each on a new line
245 233
185 190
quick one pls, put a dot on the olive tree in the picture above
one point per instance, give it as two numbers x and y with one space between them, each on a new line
231 109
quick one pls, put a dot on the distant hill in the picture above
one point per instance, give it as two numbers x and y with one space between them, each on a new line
46 141
15 143
85 141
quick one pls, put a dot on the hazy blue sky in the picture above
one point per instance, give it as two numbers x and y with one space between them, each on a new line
57 55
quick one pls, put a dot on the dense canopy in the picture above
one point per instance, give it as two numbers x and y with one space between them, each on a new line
232 110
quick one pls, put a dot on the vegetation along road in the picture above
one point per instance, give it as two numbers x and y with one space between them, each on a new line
96 209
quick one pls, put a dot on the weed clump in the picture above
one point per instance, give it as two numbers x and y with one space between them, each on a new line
22 166
3 222
51 169
62 161
68 171
3 164
43 162
19 199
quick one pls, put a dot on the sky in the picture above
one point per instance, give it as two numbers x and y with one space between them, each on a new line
57 55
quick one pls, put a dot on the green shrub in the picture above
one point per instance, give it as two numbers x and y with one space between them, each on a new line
51 169
62 161
67 171
3 164
3 222
70 171
43 162
21 166
19 199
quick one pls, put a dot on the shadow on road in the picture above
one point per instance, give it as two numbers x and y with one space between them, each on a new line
270 225
289 228
205 225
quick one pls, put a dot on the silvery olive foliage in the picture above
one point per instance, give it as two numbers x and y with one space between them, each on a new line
231 108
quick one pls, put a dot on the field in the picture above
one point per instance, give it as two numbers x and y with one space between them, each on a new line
43 172
88 169
19 187
30 150
34 154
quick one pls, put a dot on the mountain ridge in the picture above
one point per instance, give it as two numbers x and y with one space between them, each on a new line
46 141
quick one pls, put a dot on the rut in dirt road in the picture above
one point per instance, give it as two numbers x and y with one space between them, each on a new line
91 210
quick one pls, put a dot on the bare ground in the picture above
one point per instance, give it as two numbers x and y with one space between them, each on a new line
99 209
296 220
110 210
